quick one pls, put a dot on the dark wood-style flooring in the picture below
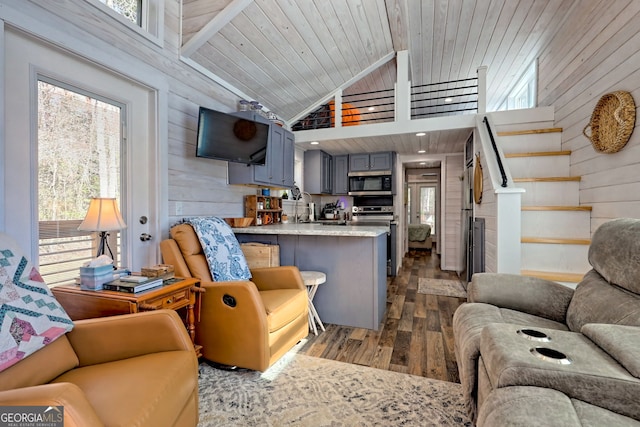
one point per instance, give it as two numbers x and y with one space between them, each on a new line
415 336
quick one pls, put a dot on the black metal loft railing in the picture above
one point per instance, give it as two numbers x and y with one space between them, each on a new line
373 107
360 108
317 119
495 150
444 98
428 100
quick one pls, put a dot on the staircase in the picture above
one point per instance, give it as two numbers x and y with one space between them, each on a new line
556 230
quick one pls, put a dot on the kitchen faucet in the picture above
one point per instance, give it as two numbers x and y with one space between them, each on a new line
295 206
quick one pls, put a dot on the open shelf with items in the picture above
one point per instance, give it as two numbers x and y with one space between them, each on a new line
264 210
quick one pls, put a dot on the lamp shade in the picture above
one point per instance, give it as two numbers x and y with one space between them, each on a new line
103 215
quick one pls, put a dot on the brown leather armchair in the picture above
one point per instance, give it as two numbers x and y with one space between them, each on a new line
135 369
249 324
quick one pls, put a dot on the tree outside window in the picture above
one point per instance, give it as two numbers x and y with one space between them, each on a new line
79 155
130 9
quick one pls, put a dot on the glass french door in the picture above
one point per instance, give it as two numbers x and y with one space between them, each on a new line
80 142
122 164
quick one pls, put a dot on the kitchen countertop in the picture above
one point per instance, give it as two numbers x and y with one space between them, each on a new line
315 229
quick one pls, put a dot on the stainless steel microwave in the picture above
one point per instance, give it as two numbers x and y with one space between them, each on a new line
372 183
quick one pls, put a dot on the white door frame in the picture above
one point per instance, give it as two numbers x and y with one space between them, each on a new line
142 196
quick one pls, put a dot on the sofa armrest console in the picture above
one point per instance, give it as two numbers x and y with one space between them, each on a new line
565 361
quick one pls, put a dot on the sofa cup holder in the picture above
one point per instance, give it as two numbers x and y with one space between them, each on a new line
550 355
534 335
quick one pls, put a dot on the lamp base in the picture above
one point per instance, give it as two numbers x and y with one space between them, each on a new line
104 242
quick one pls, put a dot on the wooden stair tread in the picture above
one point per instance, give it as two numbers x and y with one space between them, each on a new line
556 240
529 132
556 277
538 154
549 179
556 208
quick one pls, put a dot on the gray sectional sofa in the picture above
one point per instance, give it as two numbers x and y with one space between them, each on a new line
534 352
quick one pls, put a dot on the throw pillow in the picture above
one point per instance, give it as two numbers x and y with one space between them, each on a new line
30 316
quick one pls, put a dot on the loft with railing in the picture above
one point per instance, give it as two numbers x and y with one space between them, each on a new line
428 100
402 109
439 99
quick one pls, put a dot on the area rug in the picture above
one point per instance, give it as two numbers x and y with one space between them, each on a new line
447 288
307 391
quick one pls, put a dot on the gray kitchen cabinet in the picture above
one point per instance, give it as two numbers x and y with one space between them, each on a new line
278 170
371 161
341 175
318 172
359 162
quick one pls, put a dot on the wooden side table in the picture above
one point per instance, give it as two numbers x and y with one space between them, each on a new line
81 304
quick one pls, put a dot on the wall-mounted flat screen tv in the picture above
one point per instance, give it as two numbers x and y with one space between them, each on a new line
223 136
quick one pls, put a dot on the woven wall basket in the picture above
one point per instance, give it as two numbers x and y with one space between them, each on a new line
612 122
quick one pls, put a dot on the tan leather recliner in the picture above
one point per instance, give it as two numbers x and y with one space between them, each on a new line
249 324
129 370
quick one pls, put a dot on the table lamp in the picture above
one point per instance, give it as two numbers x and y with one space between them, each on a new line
102 216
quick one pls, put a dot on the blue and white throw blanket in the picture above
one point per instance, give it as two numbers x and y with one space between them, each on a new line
221 249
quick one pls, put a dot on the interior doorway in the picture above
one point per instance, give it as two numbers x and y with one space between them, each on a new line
423 203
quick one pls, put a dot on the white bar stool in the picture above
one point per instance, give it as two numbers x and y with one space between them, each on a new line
312 279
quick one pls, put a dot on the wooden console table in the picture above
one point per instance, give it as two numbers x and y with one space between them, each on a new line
80 304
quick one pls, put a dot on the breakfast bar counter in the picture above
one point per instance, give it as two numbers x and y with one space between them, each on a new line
315 229
352 257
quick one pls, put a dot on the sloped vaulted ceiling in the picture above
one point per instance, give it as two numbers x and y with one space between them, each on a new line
288 54
291 55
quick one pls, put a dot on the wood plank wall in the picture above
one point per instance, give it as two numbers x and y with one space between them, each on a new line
597 51
195 186
452 226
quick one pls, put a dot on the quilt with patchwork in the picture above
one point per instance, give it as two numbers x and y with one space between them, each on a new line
30 316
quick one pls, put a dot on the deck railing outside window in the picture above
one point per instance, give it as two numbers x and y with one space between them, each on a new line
63 249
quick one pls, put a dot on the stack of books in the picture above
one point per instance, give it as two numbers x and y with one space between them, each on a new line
133 284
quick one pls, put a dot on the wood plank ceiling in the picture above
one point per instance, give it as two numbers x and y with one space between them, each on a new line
292 55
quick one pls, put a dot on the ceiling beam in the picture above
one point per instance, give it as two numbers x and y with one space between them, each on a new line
212 27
